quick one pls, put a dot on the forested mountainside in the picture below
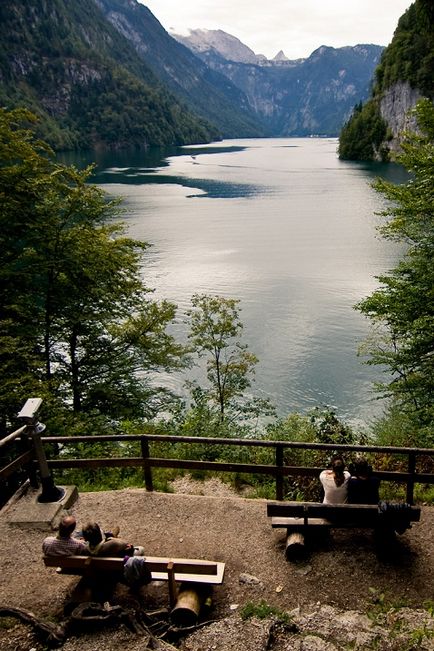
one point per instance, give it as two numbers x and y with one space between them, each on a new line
206 92
293 98
106 73
404 75
86 82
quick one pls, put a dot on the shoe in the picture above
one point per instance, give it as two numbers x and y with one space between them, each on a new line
115 532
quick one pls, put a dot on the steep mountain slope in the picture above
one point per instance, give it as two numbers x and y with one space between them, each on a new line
302 97
67 63
205 91
404 75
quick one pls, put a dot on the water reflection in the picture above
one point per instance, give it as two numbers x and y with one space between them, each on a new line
285 227
204 187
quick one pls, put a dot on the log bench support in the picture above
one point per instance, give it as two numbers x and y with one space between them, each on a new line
302 520
195 576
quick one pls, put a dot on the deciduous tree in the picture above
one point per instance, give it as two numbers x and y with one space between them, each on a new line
402 309
77 323
215 332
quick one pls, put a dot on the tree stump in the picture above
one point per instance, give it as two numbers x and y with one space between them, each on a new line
295 547
188 605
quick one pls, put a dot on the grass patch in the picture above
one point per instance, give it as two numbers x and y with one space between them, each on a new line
263 610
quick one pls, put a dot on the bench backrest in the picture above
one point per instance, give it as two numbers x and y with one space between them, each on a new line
363 513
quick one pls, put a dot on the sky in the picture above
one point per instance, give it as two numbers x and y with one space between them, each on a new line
298 27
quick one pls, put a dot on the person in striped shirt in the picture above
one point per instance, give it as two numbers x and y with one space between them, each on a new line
64 544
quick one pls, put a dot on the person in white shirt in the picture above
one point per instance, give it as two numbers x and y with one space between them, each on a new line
335 482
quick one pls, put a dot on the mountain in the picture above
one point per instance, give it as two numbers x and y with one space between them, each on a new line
206 92
404 75
85 81
230 47
105 73
292 98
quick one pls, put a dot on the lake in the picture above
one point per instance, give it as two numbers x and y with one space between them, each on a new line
285 227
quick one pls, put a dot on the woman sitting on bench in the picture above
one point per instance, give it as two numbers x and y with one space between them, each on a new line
335 482
99 545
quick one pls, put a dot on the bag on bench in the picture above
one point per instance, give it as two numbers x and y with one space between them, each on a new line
137 572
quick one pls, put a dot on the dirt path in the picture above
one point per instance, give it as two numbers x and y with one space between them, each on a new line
236 531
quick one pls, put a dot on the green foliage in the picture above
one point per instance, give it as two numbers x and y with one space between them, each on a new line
362 137
329 429
85 81
321 425
77 324
215 332
402 309
410 55
263 610
384 611
408 58
401 428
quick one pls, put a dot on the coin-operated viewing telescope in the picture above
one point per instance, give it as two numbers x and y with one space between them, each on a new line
50 492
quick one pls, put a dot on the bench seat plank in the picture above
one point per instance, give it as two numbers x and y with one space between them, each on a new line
340 514
279 523
185 569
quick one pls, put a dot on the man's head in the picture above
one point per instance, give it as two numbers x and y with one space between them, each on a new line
361 467
67 526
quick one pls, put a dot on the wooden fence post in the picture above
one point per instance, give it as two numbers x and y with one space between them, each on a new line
279 474
410 481
147 472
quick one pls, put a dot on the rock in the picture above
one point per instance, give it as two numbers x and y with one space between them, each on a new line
249 579
302 570
395 108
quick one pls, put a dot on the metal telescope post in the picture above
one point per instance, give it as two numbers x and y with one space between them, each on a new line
50 492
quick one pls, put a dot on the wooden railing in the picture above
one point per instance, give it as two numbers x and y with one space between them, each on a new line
279 469
17 456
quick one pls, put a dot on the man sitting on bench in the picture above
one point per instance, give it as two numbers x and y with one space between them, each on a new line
363 487
64 544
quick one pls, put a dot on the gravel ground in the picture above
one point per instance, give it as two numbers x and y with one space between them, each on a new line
217 525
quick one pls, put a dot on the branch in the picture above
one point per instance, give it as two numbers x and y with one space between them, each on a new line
53 635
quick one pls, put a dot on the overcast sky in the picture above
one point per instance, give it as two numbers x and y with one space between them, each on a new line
295 26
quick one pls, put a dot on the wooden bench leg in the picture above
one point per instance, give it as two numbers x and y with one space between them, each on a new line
172 584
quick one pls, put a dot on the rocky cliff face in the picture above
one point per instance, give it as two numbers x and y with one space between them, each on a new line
302 97
404 75
205 92
396 106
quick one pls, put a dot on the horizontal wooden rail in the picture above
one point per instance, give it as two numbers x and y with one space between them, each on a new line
278 470
17 463
11 437
171 438
219 466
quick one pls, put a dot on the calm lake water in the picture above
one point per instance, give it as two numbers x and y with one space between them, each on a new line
286 228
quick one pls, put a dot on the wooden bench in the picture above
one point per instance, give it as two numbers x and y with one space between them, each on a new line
186 571
302 519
